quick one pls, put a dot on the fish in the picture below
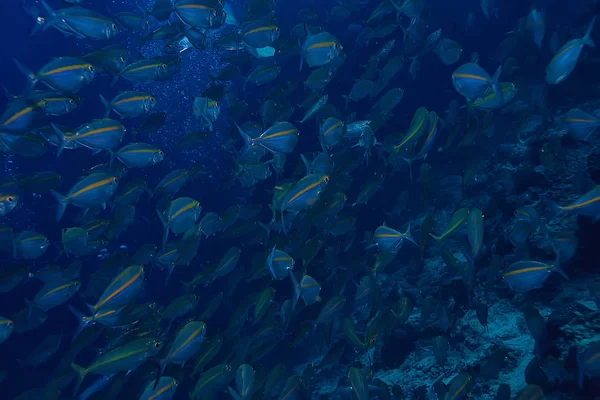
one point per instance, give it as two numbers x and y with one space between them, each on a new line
523 276
580 124
138 155
458 218
282 137
565 59
320 49
91 191
63 74
129 104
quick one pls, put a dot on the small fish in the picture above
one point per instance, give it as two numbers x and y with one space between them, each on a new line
138 155
580 124
129 104
457 219
282 137
475 229
536 25
523 276
320 49
93 190
30 245
565 59
63 74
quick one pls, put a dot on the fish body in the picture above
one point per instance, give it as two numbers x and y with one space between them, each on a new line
129 104
524 276
565 59
139 155
91 191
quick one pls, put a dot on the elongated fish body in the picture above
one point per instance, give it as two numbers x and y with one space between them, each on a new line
279 263
588 204
100 134
139 155
144 71
180 216
524 276
91 191
124 358
565 59
471 81
54 294
331 132
186 343
259 33
229 261
165 389
129 104
279 138
314 108
305 193
455 223
30 245
64 74
580 124
199 15
122 290
82 22
172 182
320 49
133 21
389 240
21 115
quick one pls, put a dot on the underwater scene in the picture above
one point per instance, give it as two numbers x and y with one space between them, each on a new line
293 200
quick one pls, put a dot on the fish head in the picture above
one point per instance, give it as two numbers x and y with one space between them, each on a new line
110 30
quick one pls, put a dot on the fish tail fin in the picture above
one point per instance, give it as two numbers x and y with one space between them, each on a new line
161 370
60 135
559 267
113 82
346 101
81 374
248 141
435 237
31 77
496 83
409 161
81 322
106 106
306 164
409 236
552 206
62 204
587 38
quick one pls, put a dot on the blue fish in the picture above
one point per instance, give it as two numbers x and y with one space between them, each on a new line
565 59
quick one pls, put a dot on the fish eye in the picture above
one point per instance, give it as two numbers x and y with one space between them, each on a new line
41 20
161 152
71 101
326 179
115 180
77 283
122 59
196 297
10 199
44 144
152 99
10 324
91 68
163 65
114 26
157 345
